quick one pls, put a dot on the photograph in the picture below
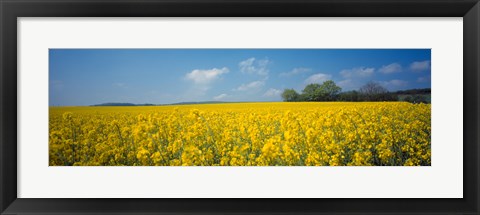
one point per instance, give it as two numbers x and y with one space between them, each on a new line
239 107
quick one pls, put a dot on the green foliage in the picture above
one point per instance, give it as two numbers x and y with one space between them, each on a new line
311 92
328 91
372 91
290 95
420 99
408 99
415 99
350 96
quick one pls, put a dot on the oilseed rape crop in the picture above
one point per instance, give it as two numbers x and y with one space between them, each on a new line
243 134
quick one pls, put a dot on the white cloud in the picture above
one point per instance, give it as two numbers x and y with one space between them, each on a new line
391 68
346 84
359 72
247 62
351 84
272 93
220 97
398 83
423 79
394 84
295 71
253 66
256 85
202 81
204 77
317 78
419 66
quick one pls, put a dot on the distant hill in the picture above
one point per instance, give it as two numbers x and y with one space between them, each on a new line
179 103
121 104
402 94
196 103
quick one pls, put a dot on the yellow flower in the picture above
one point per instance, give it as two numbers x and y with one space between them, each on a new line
239 134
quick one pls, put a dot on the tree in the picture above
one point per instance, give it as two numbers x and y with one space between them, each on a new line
290 95
311 92
420 99
372 88
327 91
389 97
373 91
408 98
349 96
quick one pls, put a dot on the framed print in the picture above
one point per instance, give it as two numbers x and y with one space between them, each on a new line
239 107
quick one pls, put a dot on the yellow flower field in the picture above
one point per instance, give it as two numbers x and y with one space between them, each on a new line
243 134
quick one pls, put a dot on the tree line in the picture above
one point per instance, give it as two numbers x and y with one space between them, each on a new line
372 91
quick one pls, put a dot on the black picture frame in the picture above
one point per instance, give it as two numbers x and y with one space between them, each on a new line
10 10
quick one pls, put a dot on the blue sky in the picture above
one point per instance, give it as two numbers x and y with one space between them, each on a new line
80 77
